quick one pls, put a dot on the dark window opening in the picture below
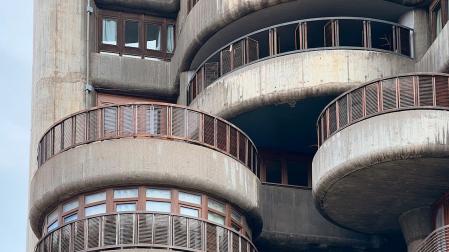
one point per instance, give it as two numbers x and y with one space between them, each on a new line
274 172
286 38
132 34
262 39
382 36
351 33
315 34
297 173
405 41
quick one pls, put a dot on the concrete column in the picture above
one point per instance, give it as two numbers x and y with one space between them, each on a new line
183 83
419 21
416 225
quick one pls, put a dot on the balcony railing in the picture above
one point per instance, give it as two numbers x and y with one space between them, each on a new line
437 241
160 120
404 92
144 230
302 35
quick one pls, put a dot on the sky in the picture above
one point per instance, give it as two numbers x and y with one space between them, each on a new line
16 53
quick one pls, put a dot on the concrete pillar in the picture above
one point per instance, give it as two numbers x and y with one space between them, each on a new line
419 21
59 69
183 83
416 225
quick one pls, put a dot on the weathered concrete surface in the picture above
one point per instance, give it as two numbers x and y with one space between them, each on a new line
131 75
418 19
157 6
59 69
206 18
296 76
436 59
292 223
368 174
416 225
152 161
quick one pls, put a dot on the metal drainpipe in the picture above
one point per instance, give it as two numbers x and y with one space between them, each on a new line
88 87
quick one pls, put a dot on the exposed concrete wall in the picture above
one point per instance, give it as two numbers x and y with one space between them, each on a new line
152 161
59 69
418 20
292 222
131 74
397 160
436 59
183 83
416 225
296 76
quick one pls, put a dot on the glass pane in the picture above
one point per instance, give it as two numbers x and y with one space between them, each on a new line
212 204
274 172
125 193
70 218
52 226
70 205
297 173
132 34
235 227
127 207
189 212
109 31
93 210
439 19
170 38
155 206
95 197
153 36
216 218
236 215
52 216
158 193
190 198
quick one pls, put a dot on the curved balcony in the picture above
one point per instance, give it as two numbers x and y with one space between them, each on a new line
143 230
150 143
157 120
383 147
301 36
438 240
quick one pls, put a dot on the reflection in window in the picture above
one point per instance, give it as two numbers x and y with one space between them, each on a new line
190 198
109 31
156 206
70 206
215 218
438 19
153 37
95 197
158 193
70 218
132 34
126 207
189 212
52 226
212 204
125 193
170 38
94 210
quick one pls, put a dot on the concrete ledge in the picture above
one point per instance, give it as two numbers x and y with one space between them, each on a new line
131 74
143 161
385 165
436 59
296 76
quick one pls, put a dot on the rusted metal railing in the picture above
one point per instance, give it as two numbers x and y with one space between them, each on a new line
437 241
411 91
160 120
143 230
302 35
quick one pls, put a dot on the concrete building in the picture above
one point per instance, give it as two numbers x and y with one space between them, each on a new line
240 125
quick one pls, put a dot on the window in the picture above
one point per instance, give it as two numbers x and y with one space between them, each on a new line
95 198
94 210
215 205
109 31
156 206
190 198
132 33
439 12
125 207
191 212
153 37
52 221
158 193
216 218
52 226
70 218
170 38
236 215
274 172
297 173
70 206
125 193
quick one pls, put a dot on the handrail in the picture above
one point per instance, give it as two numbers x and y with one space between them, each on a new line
159 120
143 230
245 55
402 92
438 240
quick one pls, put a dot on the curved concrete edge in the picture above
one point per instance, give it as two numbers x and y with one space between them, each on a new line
410 2
400 135
124 73
164 6
296 76
206 18
436 58
295 222
143 161
416 225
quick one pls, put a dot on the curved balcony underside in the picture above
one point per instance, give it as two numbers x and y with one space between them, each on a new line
383 161
113 153
143 230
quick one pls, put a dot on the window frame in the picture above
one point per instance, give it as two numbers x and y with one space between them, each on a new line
443 5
